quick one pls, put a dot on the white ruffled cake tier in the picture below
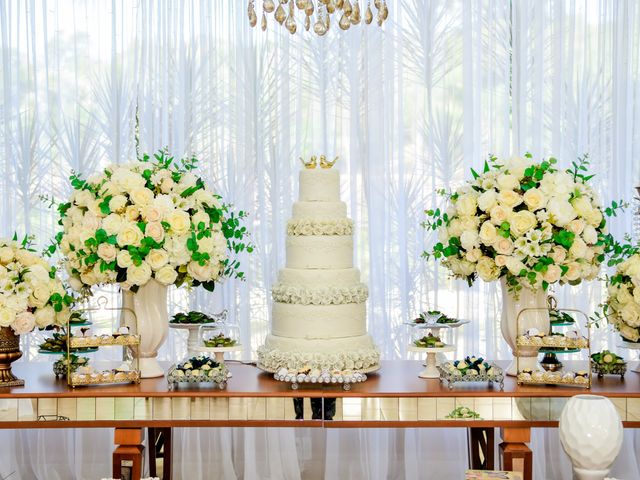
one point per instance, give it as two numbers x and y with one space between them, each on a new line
353 353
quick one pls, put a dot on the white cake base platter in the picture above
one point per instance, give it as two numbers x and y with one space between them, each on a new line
632 346
431 368
324 378
218 352
357 376
193 340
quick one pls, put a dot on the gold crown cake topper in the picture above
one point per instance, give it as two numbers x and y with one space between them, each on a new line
313 162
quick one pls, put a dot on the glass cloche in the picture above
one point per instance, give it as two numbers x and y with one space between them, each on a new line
219 335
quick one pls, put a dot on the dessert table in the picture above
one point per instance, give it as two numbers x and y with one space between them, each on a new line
394 397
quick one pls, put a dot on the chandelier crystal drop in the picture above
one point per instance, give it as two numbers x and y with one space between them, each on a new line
315 15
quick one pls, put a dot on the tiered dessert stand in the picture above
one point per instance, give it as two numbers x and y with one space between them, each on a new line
550 361
435 356
125 373
552 342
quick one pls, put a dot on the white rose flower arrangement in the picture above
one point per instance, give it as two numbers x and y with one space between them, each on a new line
31 294
623 305
152 218
526 221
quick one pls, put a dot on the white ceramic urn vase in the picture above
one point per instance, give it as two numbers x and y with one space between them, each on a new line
535 315
591 434
151 322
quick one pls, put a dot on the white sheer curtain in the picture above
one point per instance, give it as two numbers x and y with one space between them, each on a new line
408 108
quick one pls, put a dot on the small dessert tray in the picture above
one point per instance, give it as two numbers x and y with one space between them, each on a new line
559 318
57 345
104 340
602 370
435 320
63 352
608 363
451 372
78 378
195 319
344 378
198 370
568 378
553 343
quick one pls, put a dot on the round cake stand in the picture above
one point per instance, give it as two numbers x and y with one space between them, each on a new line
218 352
193 341
431 369
436 327
632 346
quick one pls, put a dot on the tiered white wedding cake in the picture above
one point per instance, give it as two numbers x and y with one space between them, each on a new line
319 310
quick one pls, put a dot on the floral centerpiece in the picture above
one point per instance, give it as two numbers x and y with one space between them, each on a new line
463 413
146 225
528 224
31 295
623 305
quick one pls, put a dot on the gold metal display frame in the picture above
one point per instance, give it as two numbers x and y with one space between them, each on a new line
561 382
130 341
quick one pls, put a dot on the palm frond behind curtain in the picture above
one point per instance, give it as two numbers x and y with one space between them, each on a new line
409 108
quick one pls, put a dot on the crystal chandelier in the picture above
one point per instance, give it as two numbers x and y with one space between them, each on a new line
348 10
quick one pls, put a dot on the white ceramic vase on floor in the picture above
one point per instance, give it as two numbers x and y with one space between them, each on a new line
512 305
150 306
591 434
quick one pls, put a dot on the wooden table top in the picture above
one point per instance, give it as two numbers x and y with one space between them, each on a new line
396 378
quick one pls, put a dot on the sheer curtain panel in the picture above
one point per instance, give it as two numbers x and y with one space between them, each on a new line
409 108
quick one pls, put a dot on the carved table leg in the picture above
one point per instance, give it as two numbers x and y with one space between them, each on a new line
166 460
514 452
159 445
152 438
127 457
481 448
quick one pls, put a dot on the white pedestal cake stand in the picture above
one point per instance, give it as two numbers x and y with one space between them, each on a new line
436 327
218 352
431 369
632 346
193 340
